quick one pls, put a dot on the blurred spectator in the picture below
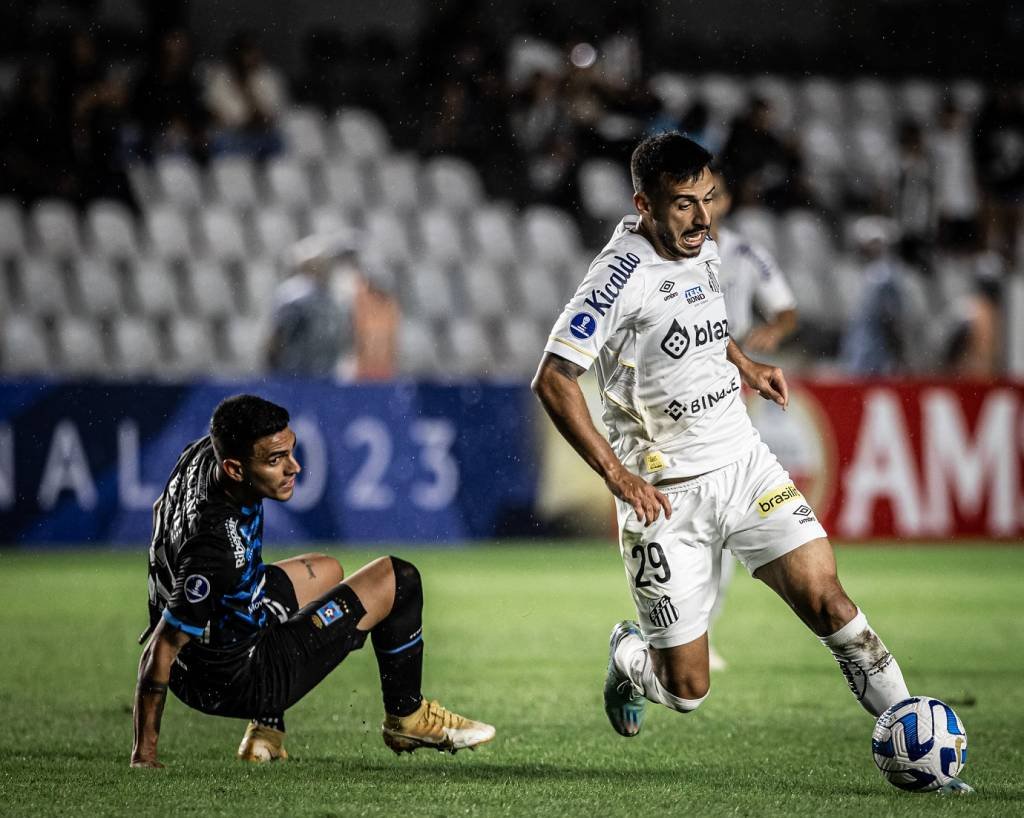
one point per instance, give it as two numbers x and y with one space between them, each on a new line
546 137
764 167
168 100
330 318
974 350
36 155
246 96
915 190
879 335
956 189
999 148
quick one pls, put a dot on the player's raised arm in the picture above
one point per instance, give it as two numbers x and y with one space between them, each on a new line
767 381
555 384
151 691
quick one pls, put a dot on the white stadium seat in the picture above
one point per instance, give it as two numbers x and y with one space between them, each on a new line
304 134
418 351
99 292
360 134
110 227
168 232
55 228
261 279
179 182
781 94
233 180
192 345
44 287
551 236
453 183
605 189
12 230
676 92
23 346
156 287
330 220
223 234
276 230
524 341
470 347
398 182
137 347
387 235
725 96
495 232
80 347
919 99
346 186
485 289
821 99
288 184
541 292
430 291
246 341
441 236
870 100
806 241
213 292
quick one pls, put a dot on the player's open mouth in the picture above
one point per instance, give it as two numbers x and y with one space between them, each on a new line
695 239
288 485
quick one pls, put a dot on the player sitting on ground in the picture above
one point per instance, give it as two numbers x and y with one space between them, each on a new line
231 636
688 470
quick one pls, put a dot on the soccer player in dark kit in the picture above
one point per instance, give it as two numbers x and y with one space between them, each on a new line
233 636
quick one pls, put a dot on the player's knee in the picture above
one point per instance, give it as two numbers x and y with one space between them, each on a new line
685 704
684 691
831 608
408 586
329 568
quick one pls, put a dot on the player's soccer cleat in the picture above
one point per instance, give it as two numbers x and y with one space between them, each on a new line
434 726
623 702
956 787
261 744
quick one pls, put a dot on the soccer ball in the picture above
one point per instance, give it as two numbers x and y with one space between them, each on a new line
919 744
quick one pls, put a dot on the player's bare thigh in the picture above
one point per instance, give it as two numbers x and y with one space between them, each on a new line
807 581
683 669
312 575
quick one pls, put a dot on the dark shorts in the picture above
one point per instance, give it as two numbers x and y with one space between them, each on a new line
285 661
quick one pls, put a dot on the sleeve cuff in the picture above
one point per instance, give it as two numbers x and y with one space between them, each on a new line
569 351
174 622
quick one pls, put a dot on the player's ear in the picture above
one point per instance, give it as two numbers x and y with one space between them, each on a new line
233 469
642 204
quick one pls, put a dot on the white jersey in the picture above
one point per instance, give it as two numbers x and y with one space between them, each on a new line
750 277
657 332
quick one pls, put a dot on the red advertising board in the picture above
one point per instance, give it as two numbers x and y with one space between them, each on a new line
919 459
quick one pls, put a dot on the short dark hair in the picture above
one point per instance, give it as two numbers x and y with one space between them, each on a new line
239 421
666 154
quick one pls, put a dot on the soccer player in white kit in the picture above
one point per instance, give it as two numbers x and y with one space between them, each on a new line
687 468
751 282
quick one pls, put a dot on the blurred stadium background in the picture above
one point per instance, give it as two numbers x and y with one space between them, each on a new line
372 213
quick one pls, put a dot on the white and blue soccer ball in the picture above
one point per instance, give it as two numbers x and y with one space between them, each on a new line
919 744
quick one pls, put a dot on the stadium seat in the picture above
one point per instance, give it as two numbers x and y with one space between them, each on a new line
288 184
23 346
168 233
470 347
304 134
605 189
806 241
387 235
233 181
815 296
44 287
12 230
524 340
213 292
246 343
919 99
495 233
155 287
97 288
551 236
676 92
55 229
418 352
848 280
759 225
969 96
179 182
872 161
870 100
430 291
1014 323
110 228
824 155
452 183
80 348
223 235
725 96
540 292
781 94
821 99
330 220
485 290
441 236
142 183
360 134
192 346
346 186
276 230
398 182
261 279
137 347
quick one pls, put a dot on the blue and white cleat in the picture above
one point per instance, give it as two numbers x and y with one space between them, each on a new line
956 787
623 703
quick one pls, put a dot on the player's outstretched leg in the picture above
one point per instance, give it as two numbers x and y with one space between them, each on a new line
623 702
806 579
410 721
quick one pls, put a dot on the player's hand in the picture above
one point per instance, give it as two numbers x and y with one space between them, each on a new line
767 381
646 500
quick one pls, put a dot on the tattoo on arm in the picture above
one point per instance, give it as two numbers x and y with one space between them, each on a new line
309 567
565 367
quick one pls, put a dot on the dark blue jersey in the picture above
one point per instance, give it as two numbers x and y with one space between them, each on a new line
206 571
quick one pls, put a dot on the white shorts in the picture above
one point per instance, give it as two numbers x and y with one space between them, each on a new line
750 507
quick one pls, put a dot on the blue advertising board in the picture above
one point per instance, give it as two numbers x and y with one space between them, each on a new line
397 462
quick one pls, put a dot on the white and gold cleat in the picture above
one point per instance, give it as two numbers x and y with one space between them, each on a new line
433 725
261 744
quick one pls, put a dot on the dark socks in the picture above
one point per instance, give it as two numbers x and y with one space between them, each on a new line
276 721
398 643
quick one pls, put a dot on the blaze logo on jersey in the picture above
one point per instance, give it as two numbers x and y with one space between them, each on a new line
677 341
601 300
582 325
329 613
197 588
772 499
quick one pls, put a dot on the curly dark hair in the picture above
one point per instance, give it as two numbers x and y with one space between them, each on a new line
239 421
668 154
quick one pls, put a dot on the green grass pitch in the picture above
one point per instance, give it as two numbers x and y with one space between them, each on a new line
516 635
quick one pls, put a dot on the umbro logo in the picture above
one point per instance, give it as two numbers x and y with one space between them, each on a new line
802 511
667 286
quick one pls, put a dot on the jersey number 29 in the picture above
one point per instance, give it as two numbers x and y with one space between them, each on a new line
654 557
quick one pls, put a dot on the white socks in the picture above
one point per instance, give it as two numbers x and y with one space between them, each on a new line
870 670
632 658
